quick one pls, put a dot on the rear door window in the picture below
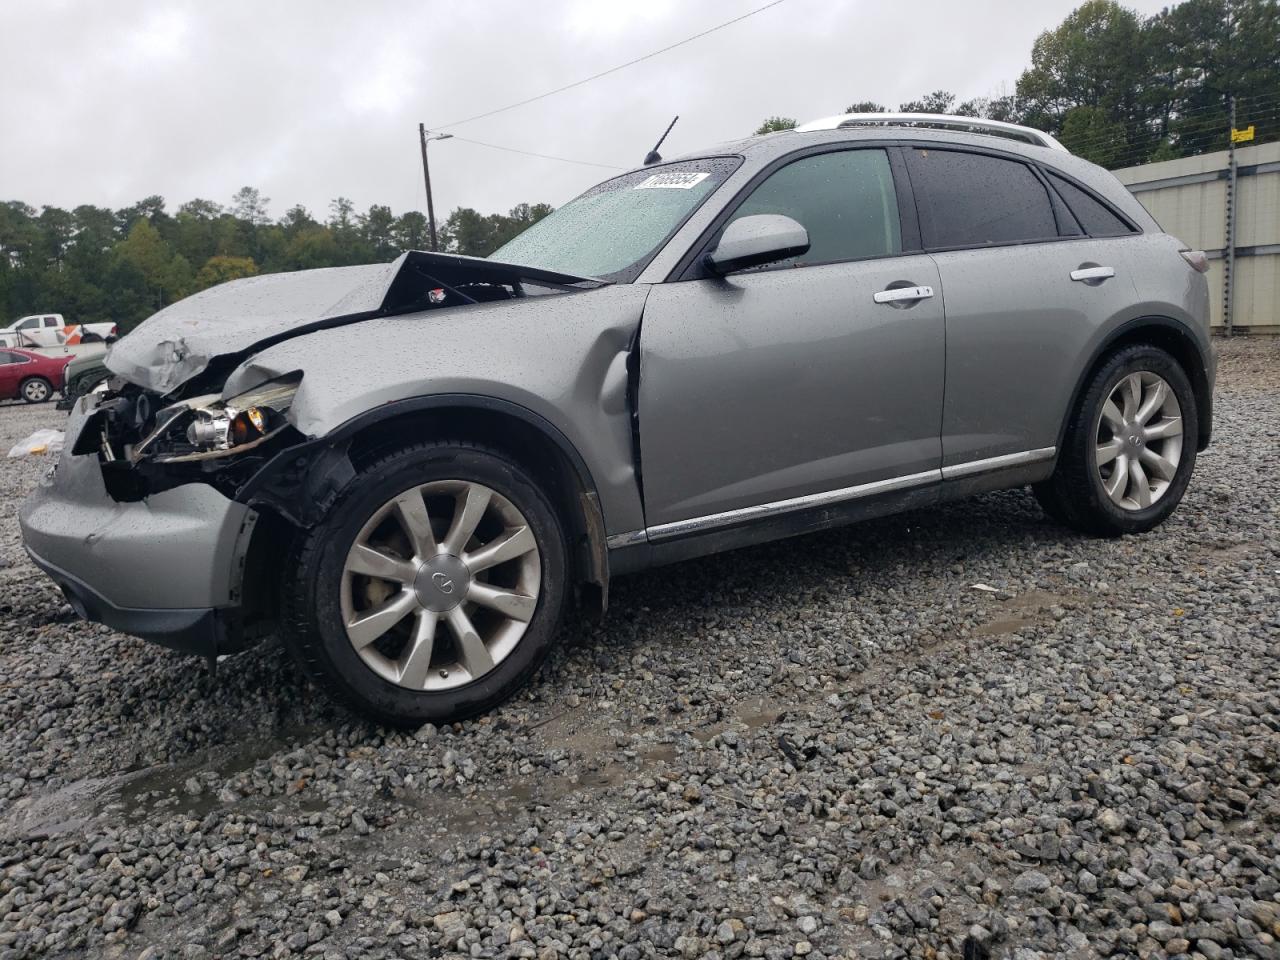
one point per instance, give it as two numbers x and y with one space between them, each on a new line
971 199
1095 217
845 200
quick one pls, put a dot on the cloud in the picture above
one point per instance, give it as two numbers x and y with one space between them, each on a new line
311 99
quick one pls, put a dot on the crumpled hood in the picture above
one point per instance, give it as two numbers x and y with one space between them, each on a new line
172 346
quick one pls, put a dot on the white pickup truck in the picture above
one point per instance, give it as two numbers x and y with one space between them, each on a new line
51 330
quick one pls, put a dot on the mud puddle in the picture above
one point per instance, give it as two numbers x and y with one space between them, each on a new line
134 795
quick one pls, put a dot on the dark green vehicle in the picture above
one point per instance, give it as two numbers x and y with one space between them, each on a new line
83 373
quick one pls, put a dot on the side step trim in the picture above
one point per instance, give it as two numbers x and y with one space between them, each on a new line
695 525
682 528
998 463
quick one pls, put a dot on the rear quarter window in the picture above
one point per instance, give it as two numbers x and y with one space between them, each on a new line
971 199
1096 218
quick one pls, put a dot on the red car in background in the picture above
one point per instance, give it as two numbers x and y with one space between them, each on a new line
32 377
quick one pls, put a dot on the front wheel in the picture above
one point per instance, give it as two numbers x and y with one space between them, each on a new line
1129 449
435 587
36 390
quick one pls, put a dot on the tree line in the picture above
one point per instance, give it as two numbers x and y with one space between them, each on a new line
1121 89
94 264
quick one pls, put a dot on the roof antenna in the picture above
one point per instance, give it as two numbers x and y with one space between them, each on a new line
653 156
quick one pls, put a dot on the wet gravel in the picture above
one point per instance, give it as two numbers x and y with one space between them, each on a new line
833 746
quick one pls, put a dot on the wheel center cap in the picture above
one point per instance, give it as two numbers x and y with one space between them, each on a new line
1132 438
441 583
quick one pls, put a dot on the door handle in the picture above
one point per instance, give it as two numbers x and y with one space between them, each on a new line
896 294
1093 273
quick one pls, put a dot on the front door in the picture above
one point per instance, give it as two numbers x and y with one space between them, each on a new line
11 368
795 380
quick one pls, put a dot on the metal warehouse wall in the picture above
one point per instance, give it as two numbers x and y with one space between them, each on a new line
1188 197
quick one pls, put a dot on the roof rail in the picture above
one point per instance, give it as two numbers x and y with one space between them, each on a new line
946 121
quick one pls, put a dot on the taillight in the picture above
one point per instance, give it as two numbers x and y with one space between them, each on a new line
1197 258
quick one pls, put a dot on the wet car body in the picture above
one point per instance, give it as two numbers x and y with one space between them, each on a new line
668 414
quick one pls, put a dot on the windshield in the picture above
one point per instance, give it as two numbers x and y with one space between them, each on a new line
613 230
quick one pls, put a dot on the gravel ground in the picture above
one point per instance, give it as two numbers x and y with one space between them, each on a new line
833 746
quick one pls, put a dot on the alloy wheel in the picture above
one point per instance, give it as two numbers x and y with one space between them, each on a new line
36 391
440 585
1139 440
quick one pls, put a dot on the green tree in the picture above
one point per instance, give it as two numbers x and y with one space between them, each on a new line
410 231
221 269
1204 52
774 124
378 229
865 106
145 250
165 275
469 233
940 101
1090 133
1096 58
310 248
150 209
249 205
296 219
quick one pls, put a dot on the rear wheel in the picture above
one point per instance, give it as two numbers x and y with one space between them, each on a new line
1129 449
434 589
36 390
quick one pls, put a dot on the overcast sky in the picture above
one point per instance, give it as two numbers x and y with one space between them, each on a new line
106 103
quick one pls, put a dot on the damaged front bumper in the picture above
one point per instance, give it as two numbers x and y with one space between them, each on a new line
115 560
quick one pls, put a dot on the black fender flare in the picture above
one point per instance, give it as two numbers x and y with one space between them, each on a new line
1131 330
301 482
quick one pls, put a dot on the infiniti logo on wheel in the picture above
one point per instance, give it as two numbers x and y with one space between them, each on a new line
443 582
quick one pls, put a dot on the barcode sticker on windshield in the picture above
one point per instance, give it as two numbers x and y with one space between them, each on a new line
671 181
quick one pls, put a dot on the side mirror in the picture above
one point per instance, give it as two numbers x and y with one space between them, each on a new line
756 240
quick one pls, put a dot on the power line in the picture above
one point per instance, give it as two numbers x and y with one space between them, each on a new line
543 156
605 73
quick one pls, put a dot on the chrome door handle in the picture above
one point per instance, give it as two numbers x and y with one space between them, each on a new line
1093 273
903 293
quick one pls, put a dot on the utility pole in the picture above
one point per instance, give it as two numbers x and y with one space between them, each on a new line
426 177
1229 273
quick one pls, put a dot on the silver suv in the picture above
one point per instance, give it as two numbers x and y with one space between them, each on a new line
410 468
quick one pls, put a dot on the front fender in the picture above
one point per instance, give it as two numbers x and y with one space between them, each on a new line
561 359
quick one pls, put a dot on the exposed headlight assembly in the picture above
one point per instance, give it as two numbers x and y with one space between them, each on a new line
207 427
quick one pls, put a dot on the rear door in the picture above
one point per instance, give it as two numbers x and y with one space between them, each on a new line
795 379
1025 292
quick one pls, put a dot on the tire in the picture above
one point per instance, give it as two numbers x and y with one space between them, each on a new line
331 594
1077 494
36 390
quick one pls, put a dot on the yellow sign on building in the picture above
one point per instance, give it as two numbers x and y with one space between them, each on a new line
1240 136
